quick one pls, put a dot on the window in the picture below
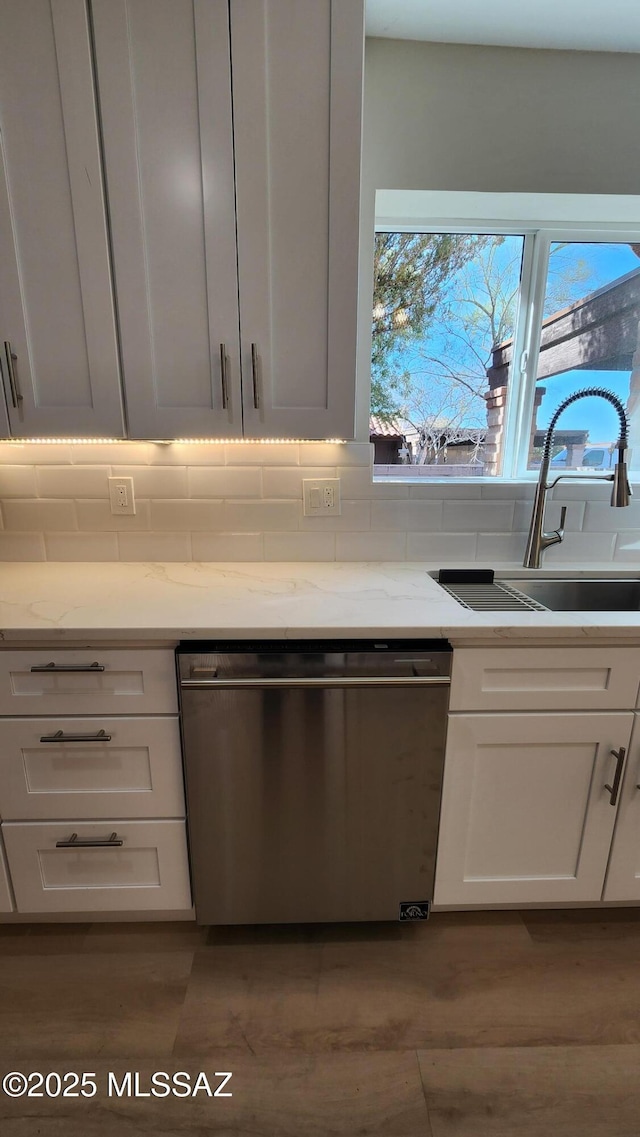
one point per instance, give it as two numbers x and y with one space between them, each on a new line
480 331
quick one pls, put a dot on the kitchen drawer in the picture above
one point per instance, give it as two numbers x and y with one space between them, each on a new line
136 771
149 871
545 678
109 682
6 903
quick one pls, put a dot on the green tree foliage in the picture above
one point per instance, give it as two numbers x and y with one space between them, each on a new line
411 270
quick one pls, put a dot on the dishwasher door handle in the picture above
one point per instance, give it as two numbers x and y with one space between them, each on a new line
329 682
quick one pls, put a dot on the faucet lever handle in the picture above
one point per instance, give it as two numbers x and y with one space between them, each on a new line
563 514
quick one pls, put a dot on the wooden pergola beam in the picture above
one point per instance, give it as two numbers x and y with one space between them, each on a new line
597 333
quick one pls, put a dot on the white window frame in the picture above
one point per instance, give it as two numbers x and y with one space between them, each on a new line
541 219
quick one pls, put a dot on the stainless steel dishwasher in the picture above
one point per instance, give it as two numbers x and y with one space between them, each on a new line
314 776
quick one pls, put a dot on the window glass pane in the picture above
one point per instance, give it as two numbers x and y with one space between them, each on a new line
442 302
589 339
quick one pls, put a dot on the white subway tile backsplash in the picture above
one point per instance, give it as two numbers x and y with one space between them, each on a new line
32 515
225 481
22 547
336 454
496 548
34 453
584 491
299 546
81 546
357 482
73 481
186 454
582 547
412 516
450 491
260 516
262 454
601 517
186 515
96 517
507 491
477 516
371 546
105 453
354 515
243 501
441 548
155 481
627 547
154 546
17 481
574 518
283 481
227 546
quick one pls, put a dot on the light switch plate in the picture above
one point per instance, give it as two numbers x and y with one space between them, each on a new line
321 497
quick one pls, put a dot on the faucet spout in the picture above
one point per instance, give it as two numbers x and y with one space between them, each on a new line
538 540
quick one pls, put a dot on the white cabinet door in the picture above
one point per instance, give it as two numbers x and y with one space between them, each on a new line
526 816
623 874
297 94
58 349
164 84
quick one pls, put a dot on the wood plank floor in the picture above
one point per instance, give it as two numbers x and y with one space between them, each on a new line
473 1025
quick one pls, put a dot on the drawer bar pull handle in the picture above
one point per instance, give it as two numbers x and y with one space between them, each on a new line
68 667
617 778
92 843
60 736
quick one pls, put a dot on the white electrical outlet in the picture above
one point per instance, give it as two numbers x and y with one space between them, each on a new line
321 497
121 495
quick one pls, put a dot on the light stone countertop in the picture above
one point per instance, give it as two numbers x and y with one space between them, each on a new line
116 602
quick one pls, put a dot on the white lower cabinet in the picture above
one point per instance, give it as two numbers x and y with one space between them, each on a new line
526 814
148 871
92 805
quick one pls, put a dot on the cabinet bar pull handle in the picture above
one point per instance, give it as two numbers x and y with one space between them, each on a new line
12 359
617 777
91 843
68 667
254 376
60 736
223 376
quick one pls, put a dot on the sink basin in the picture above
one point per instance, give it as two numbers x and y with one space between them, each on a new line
581 595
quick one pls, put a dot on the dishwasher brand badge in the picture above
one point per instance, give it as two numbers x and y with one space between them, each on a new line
414 909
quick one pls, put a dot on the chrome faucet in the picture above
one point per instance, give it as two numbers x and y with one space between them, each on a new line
538 540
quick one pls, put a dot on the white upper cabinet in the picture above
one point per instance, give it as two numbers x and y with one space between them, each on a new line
215 132
297 96
230 134
58 347
164 84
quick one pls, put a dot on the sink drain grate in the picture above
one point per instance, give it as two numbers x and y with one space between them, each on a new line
495 597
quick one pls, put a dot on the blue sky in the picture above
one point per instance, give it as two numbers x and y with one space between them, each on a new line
576 271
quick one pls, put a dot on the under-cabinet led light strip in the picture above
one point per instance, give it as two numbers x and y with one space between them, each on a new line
170 441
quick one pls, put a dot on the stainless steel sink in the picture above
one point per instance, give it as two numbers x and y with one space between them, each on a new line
581 595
